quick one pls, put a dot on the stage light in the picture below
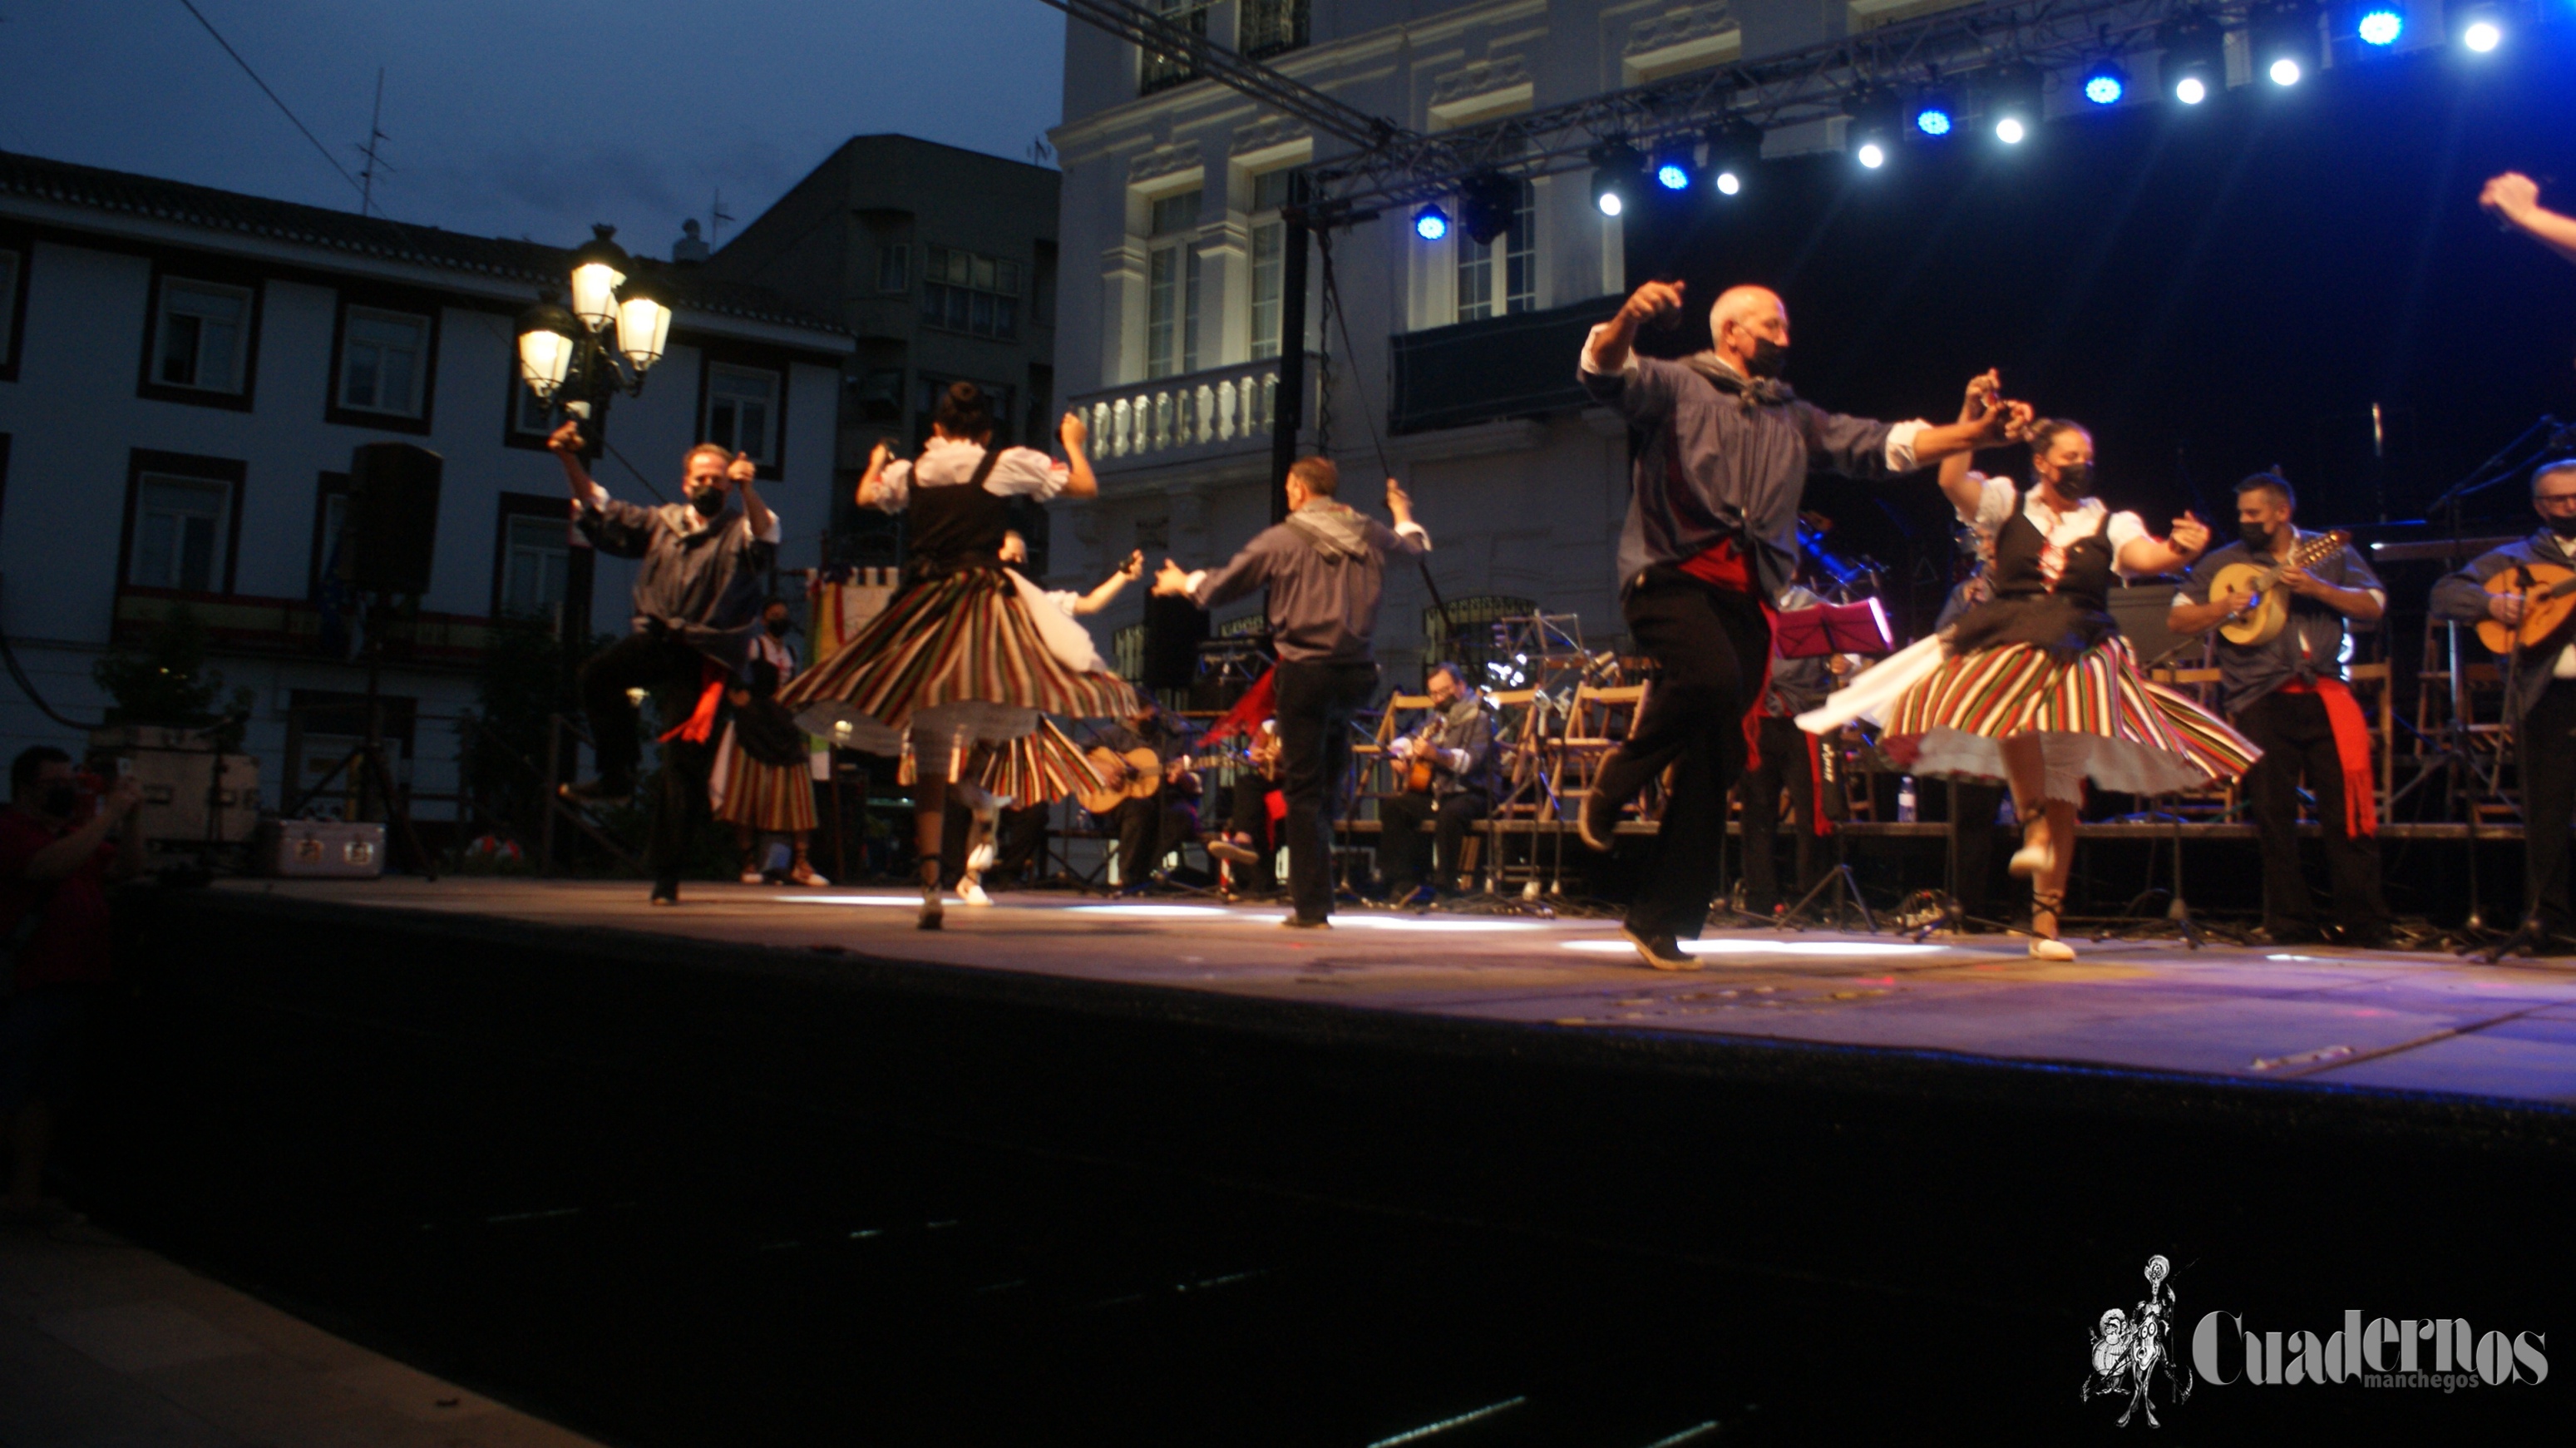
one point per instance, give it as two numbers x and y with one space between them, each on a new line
1487 202
2105 83
1871 155
2195 57
1431 223
1615 168
1672 177
2380 25
1933 115
1875 115
2283 41
2482 29
2015 102
1734 149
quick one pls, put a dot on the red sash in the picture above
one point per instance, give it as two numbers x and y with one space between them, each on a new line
1721 566
2352 751
700 726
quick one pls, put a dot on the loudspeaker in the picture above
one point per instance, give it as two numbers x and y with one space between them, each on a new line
393 516
1174 629
2140 610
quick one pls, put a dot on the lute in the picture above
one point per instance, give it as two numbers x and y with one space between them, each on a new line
2262 609
2548 597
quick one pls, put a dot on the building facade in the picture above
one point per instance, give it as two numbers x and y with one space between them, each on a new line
941 263
185 374
1457 359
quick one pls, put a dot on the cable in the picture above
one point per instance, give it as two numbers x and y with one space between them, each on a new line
630 467
327 157
27 686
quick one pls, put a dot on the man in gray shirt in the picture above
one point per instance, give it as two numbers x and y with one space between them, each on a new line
1325 569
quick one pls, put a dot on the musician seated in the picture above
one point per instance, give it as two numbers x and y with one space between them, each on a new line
1254 814
1159 815
1446 768
2282 601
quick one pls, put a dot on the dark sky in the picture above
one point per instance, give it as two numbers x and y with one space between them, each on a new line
524 119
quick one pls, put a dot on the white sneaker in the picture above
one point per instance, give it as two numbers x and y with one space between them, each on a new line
970 891
752 877
2044 948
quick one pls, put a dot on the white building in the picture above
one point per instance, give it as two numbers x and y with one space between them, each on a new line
1171 254
184 372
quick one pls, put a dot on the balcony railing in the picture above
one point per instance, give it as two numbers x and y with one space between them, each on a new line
1190 418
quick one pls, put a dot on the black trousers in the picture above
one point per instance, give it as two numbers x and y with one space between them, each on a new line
2546 749
1708 644
1785 764
1972 841
672 671
1248 813
1149 829
2298 739
1316 702
1023 832
1401 845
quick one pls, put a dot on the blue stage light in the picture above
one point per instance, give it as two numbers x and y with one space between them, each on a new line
1932 121
1431 223
2381 26
2105 83
1672 177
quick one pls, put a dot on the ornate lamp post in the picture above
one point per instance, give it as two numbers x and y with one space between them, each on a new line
615 330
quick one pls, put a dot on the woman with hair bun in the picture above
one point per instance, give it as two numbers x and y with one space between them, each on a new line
2036 685
969 655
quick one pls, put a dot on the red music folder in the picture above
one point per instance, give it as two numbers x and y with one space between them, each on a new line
1833 628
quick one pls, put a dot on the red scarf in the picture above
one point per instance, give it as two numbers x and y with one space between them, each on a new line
700 726
2352 751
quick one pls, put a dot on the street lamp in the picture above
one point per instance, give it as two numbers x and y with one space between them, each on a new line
612 334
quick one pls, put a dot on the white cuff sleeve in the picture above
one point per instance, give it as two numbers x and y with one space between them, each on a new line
1591 362
1414 531
894 487
1900 445
776 530
1195 579
598 496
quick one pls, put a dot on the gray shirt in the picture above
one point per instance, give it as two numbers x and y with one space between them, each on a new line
702 579
2309 647
1326 572
2462 598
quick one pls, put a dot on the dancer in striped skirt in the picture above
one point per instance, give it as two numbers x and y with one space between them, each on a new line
969 654
2036 686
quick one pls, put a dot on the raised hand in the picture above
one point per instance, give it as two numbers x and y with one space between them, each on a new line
565 441
1074 431
742 469
1170 581
1982 392
2509 197
1135 564
2190 535
1651 301
1398 501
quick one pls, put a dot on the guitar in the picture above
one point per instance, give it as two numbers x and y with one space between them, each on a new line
2263 611
2548 597
1140 772
1419 772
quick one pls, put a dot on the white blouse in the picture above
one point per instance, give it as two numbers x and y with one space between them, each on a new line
1019 472
1995 500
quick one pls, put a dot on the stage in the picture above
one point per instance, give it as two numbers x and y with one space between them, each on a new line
2313 1016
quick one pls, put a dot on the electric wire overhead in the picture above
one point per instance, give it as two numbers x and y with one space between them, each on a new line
332 161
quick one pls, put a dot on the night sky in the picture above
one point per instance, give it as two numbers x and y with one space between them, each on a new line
518 119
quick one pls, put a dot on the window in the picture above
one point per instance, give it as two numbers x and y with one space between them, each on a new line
536 559
12 267
528 416
927 390
1161 72
178 532
742 411
965 292
202 331
894 260
330 523
1512 254
1172 288
1269 252
384 359
1270 27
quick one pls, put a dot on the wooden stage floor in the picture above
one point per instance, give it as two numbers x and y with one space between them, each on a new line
2315 1017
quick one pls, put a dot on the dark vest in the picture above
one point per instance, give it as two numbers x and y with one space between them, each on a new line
2066 620
957 526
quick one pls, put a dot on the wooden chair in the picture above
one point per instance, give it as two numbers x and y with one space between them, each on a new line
1597 721
2217 803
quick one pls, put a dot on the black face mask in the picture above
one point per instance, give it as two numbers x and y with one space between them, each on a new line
1769 359
2257 536
60 800
709 502
778 628
2075 480
2564 525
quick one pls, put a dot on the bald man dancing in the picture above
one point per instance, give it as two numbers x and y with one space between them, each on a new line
1720 450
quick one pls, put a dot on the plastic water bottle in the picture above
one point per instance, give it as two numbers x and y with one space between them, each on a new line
1905 800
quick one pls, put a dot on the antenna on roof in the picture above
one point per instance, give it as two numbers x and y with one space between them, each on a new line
373 150
717 216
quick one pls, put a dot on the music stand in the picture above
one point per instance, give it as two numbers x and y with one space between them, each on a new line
1818 632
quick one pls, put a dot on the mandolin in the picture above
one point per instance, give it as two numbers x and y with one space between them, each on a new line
2262 610
2548 597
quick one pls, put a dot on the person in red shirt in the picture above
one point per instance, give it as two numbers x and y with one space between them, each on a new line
54 869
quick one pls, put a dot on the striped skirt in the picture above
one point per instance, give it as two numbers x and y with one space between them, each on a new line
2097 718
762 796
961 657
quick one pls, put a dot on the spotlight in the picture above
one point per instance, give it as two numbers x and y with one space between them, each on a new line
2482 28
2284 41
1734 148
1615 166
1673 167
2105 83
2014 102
1875 115
1871 155
2195 59
1431 223
2380 25
1487 201
1934 115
